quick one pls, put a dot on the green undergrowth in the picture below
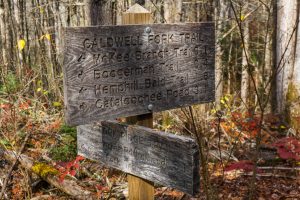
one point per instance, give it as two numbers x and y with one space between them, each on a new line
65 148
10 84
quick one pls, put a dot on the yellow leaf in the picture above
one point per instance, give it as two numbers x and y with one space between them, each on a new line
222 101
39 89
226 98
243 17
48 36
39 82
21 44
45 92
282 127
56 104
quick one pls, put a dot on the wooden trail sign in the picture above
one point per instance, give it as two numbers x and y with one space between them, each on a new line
120 71
160 157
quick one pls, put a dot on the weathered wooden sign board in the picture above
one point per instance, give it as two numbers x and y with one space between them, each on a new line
120 71
160 157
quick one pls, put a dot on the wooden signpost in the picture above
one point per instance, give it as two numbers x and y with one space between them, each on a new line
139 188
156 156
120 71
132 71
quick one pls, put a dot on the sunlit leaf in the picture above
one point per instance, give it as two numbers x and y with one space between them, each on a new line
39 83
4 142
56 104
48 37
226 98
39 90
21 44
243 17
45 92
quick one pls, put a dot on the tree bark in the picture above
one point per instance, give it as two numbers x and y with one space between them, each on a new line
230 66
3 35
294 88
285 49
296 78
245 67
17 27
99 12
220 13
172 10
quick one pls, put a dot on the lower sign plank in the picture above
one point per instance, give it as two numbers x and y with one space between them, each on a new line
156 156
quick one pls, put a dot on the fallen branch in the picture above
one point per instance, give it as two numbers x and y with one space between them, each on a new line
14 163
281 168
70 187
1 184
270 175
84 170
44 197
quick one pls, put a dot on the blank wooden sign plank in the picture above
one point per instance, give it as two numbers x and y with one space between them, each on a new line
121 71
156 156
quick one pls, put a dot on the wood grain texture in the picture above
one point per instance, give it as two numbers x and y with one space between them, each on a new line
139 188
156 156
118 71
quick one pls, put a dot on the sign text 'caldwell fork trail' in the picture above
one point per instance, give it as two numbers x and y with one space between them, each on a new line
120 71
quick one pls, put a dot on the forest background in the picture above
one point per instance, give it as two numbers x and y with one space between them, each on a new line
257 103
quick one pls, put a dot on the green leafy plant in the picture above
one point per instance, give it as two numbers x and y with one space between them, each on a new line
10 84
66 148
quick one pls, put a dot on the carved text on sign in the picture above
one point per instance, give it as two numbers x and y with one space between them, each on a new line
117 71
160 157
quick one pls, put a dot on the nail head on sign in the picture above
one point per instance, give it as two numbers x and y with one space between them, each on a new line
148 30
150 107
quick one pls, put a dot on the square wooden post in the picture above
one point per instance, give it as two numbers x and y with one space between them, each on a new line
138 188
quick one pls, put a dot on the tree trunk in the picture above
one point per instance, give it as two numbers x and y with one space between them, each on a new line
296 78
245 67
220 13
230 67
99 12
3 35
172 10
17 27
294 88
121 7
285 49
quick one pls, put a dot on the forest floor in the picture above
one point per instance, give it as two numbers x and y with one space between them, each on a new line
52 145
